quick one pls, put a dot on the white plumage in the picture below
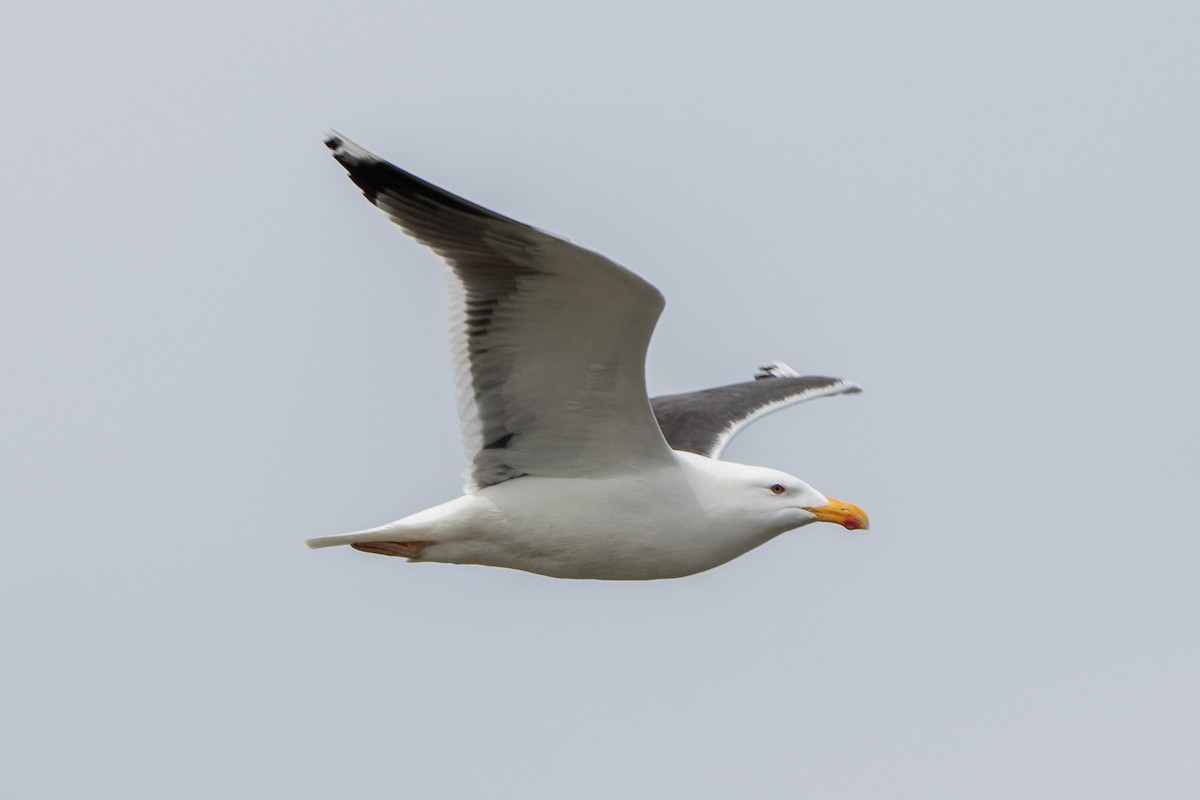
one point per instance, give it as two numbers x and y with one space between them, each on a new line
572 471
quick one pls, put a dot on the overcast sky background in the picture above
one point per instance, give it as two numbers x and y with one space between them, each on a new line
214 348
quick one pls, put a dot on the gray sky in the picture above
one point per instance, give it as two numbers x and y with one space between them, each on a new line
214 348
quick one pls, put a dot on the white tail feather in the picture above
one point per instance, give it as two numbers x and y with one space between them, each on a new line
384 533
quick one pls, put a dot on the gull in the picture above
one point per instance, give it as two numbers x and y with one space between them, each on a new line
573 471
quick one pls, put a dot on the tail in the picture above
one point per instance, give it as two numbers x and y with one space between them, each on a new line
392 532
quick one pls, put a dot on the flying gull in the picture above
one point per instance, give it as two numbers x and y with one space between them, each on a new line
573 471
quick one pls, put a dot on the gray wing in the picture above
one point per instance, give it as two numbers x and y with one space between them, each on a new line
549 339
703 422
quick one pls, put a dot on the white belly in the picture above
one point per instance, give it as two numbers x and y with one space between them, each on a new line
620 528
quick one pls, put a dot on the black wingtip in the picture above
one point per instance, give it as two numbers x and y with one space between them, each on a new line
346 151
375 176
369 172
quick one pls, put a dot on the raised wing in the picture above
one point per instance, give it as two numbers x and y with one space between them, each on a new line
703 422
549 340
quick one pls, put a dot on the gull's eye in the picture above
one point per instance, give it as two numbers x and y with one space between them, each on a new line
778 488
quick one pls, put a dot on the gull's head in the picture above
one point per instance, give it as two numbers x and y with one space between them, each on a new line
789 502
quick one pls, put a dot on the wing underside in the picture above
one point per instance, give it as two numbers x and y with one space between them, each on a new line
548 339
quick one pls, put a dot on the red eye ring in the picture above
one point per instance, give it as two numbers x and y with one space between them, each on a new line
778 488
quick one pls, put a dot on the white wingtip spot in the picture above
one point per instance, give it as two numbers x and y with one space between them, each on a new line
775 369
